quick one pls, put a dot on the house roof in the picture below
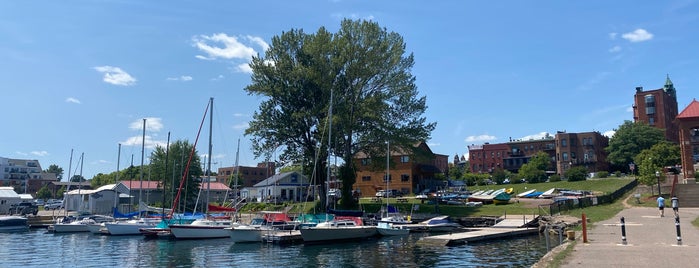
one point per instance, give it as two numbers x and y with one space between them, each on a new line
691 111
279 178
8 192
153 185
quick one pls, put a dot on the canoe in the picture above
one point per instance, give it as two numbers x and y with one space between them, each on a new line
526 193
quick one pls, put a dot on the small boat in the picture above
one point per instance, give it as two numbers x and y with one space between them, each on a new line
525 193
436 224
202 229
501 198
269 222
550 193
130 227
342 228
390 229
77 225
13 224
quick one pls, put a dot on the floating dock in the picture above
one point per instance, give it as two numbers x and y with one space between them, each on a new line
513 225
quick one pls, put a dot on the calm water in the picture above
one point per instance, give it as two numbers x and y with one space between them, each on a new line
36 248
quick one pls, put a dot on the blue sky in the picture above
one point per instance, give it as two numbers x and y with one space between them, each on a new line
81 75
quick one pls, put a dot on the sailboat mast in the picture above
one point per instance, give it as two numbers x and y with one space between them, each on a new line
208 169
167 156
237 172
143 149
70 166
116 179
388 174
330 129
80 182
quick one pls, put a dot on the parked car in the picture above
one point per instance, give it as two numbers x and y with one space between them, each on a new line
389 193
54 205
39 202
24 208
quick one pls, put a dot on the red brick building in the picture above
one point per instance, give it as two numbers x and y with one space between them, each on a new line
581 149
688 121
658 108
249 175
407 173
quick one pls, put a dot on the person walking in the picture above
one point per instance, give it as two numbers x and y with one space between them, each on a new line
661 206
675 205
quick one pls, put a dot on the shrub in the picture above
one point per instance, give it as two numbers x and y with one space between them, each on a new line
554 177
617 174
576 174
602 174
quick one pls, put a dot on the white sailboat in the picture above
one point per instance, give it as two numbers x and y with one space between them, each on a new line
340 228
390 224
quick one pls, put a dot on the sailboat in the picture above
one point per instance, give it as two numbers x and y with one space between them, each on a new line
390 223
208 227
131 227
340 227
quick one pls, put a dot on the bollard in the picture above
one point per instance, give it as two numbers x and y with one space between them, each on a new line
623 231
584 228
677 227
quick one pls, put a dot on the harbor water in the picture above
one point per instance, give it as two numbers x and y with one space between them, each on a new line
36 248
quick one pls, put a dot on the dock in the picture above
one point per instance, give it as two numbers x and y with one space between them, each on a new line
283 237
512 226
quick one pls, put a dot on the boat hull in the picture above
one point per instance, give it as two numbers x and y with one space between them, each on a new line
130 228
247 234
198 232
68 228
13 224
320 234
388 229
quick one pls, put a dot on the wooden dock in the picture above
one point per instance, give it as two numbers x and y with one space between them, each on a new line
282 237
513 225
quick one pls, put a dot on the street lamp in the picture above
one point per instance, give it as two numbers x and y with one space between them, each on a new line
657 177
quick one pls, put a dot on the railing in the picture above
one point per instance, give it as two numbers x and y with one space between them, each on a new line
569 204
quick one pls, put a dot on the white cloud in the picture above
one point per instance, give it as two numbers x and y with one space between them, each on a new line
615 49
72 100
638 35
39 153
115 76
480 138
21 153
353 16
138 141
219 77
153 124
609 133
537 136
181 78
240 115
232 48
612 36
244 68
241 126
259 41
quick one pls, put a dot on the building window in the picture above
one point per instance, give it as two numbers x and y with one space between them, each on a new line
565 156
389 177
366 178
572 155
404 159
651 121
650 104
366 161
404 177
564 143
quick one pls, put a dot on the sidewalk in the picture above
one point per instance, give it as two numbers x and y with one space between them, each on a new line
651 241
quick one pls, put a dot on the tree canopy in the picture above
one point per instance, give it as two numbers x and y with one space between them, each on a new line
177 159
535 170
653 160
374 97
629 140
55 169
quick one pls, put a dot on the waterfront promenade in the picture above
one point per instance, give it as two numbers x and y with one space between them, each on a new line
651 241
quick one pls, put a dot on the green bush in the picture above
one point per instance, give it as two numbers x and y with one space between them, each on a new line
554 178
576 174
617 174
602 174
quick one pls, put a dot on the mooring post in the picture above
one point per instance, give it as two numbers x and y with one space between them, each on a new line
677 227
584 228
623 231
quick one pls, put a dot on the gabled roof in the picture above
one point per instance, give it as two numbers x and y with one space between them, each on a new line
691 111
286 178
153 185
8 192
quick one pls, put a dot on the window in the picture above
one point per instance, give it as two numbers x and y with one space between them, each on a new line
404 159
651 121
572 155
565 156
366 161
564 143
389 177
366 178
404 177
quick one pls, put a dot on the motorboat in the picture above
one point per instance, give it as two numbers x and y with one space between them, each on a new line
13 224
269 222
390 229
436 224
342 228
76 225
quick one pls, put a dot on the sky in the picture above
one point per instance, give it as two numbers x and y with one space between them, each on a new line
80 76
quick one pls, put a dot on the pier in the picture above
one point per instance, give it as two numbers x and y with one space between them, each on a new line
513 225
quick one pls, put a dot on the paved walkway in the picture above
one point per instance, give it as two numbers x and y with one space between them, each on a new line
651 241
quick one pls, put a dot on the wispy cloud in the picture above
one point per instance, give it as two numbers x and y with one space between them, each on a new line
21 153
39 153
138 141
480 138
241 126
184 78
219 77
153 124
536 136
115 76
612 36
615 49
609 133
638 35
72 100
353 16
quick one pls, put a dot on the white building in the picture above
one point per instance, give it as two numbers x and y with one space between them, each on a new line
98 201
8 197
289 186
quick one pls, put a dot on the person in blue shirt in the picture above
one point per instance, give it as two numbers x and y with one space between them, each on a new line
661 206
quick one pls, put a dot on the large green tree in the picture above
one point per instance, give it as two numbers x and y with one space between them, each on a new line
629 140
374 99
174 176
650 161
535 170
55 169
